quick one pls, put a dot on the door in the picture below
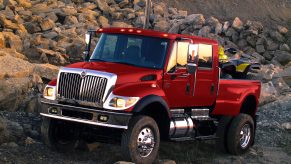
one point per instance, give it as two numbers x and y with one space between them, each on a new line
189 90
178 82
207 76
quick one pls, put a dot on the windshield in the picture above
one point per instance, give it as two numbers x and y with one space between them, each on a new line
134 50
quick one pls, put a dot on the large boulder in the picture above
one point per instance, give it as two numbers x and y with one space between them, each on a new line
103 6
10 131
47 24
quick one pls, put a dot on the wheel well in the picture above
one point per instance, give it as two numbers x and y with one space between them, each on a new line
249 106
159 113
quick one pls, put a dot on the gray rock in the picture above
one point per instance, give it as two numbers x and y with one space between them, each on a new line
242 43
161 25
260 49
286 75
204 31
225 27
254 27
194 19
268 56
173 11
283 30
252 40
284 47
282 57
275 35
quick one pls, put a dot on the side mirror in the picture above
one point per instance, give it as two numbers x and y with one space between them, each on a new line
192 58
191 68
88 46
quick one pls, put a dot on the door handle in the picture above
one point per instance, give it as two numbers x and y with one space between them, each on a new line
184 75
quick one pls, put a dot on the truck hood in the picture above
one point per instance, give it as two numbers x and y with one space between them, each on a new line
125 73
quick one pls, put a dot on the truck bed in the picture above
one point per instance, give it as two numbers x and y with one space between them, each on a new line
232 93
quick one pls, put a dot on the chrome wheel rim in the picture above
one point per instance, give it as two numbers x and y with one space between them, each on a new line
145 142
245 136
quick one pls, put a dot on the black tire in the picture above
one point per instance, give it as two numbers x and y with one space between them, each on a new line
234 144
221 134
129 142
59 135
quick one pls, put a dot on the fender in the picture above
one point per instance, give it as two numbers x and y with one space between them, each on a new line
147 100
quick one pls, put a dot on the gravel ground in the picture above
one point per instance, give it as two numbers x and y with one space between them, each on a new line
273 144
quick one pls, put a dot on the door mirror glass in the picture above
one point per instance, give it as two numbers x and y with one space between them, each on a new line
87 38
193 53
192 59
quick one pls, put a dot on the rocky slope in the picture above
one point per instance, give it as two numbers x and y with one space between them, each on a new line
36 37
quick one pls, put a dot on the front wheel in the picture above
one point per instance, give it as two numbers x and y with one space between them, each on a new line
240 134
140 142
59 135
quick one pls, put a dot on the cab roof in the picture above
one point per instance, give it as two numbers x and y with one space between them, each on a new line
152 33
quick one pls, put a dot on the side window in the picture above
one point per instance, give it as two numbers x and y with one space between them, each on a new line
173 59
182 52
205 56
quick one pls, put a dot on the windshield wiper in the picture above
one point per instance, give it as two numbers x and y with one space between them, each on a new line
125 63
98 60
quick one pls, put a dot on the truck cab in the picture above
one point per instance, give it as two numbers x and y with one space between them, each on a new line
140 86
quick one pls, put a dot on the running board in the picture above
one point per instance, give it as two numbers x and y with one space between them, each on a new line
199 138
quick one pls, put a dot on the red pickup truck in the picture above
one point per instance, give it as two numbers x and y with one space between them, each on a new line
138 87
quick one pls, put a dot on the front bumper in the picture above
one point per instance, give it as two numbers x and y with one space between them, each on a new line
85 115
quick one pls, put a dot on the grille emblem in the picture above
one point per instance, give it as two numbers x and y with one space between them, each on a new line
83 74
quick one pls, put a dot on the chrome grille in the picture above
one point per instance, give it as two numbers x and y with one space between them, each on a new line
89 88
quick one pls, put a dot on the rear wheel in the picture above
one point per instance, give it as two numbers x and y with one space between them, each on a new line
241 134
60 135
221 133
140 142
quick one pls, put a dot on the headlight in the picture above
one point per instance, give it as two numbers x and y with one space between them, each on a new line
120 102
49 92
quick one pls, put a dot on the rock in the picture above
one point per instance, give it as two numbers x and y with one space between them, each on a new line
123 162
103 21
8 23
284 47
12 53
194 19
175 28
32 27
53 57
13 41
71 20
268 56
167 162
237 24
260 49
139 21
121 24
173 11
282 30
268 93
225 27
252 40
286 126
68 11
159 9
183 13
204 31
2 41
123 3
40 8
130 16
103 6
286 75
282 57
242 43
24 3
10 145
275 35
271 45
117 15
254 27
29 141
161 25
47 25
